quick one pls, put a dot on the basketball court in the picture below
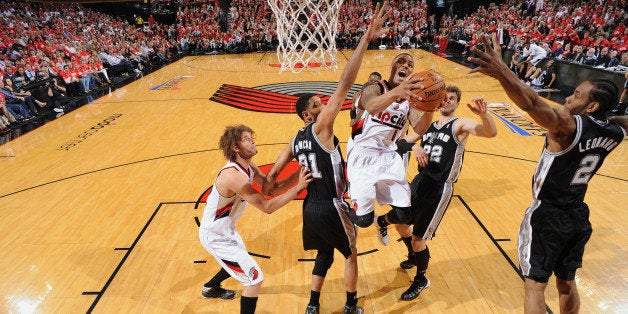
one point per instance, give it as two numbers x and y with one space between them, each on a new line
101 206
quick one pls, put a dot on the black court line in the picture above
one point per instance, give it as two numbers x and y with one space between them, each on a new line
261 58
488 233
495 242
150 100
259 255
215 149
368 252
128 250
123 165
535 161
344 55
100 293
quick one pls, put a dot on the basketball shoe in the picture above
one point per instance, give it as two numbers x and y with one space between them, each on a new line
353 309
415 289
217 292
312 309
382 233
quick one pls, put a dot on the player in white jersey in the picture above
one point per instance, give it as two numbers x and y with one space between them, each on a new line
231 192
374 169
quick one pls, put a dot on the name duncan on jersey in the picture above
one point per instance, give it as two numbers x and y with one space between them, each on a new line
603 142
391 120
302 144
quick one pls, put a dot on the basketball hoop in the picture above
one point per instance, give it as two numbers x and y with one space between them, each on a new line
306 30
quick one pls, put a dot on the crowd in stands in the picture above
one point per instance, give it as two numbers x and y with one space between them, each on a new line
591 33
55 57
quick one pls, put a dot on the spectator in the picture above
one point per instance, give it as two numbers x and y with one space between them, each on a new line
545 76
590 58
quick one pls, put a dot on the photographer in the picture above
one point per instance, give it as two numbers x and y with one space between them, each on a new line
53 93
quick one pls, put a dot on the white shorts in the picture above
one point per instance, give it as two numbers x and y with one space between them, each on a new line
232 256
377 175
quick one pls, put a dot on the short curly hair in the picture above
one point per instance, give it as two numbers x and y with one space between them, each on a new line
230 138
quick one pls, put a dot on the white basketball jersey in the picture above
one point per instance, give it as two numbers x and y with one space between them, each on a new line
221 212
382 130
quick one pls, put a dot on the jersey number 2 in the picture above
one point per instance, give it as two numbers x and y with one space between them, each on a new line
310 162
586 170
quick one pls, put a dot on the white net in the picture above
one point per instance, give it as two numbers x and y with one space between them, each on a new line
306 30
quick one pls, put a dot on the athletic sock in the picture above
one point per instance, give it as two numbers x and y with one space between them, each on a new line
315 297
422 260
408 242
352 298
217 279
248 305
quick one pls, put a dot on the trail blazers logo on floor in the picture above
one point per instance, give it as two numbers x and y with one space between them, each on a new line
517 120
277 98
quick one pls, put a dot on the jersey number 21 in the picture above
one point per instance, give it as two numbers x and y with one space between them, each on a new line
310 162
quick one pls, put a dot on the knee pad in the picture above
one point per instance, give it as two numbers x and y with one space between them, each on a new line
399 215
362 221
322 263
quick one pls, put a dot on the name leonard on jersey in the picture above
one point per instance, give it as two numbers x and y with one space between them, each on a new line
602 142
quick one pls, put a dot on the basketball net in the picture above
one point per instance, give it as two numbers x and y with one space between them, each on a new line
306 30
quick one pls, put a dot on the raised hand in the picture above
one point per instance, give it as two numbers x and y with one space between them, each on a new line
490 60
478 106
375 30
407 88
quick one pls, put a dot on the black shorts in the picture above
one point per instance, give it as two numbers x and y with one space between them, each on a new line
326 226
429 201
552 240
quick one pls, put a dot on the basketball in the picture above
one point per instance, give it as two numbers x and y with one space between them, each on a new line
433 93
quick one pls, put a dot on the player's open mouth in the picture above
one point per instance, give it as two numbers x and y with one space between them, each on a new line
402 73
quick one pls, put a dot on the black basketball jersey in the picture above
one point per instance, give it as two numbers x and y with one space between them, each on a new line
561 178
444 150
327 167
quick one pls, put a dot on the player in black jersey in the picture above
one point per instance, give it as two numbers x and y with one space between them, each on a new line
326 223
556 226
432 188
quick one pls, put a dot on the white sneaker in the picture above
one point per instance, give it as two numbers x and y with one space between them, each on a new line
57 109
382 233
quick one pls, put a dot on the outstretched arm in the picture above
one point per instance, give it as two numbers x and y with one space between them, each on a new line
559 122
486 128
325 120
238 183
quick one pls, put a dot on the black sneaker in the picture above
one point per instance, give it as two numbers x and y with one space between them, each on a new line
353 309
217 292
312 309
415 289
407 264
